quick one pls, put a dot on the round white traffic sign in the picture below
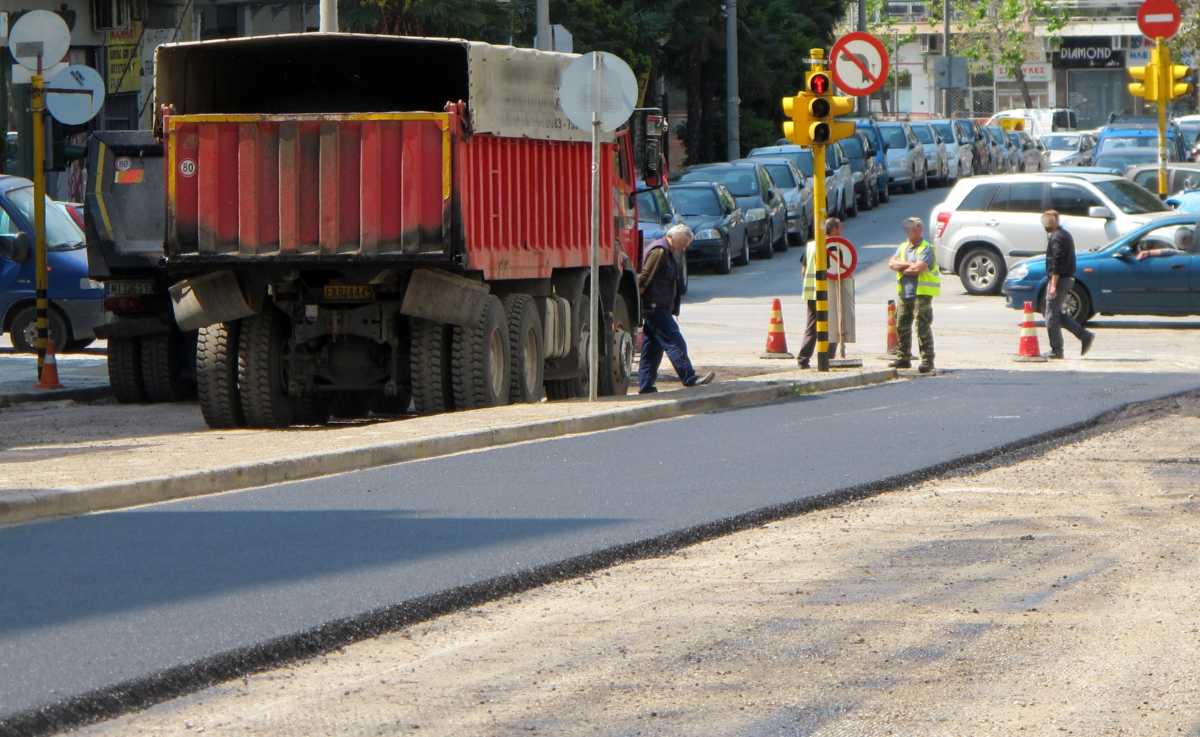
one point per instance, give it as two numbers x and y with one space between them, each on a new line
75 108
39 40
599 83
859 63
843 258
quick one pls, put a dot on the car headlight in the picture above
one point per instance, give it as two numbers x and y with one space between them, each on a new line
756 213
708 234
1018 272
86 283
795 208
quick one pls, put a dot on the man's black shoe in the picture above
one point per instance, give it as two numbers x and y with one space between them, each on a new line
651 390
803 364
1055 355
900 363
705 379
1086 343
925 368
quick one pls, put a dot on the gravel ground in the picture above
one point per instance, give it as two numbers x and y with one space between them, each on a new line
1050 596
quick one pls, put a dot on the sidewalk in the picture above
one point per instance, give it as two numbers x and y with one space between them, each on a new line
83 376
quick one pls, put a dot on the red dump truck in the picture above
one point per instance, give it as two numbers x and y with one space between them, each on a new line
354 222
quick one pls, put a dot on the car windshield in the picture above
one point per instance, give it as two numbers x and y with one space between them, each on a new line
1190 129
1126 158
62 234
740 180
781 174
1061 143
1129 197
924 135
1120 143
646 210
696 201
894 137
853 148
802 159
995 134
945 131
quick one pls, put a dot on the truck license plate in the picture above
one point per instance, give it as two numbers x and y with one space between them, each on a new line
348 293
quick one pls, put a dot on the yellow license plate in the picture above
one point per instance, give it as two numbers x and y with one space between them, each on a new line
349 293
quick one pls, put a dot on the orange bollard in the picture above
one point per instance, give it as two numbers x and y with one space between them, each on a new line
893 340
1028 350
776 339
49 377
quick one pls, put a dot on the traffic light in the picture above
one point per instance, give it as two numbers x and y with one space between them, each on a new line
1173 85
1145 84
796 128
823 107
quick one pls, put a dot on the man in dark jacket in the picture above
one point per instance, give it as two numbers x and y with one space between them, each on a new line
659 284
1060 269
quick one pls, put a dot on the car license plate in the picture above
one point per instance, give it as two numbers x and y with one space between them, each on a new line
348 293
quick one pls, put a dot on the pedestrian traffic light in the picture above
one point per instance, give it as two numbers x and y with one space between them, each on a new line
822 107
1173 84
1145 84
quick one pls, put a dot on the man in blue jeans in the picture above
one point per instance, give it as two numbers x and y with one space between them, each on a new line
659 284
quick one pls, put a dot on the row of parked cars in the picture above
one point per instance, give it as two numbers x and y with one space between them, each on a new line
763 204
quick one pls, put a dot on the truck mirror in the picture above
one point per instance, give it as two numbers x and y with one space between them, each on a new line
15 246
648 151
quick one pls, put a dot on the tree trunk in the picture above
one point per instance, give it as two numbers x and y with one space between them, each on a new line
694 96
1020 74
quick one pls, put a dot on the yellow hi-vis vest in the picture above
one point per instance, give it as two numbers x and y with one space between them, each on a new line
810 271
929 283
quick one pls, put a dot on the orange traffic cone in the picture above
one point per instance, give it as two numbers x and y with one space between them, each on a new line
49 378
1028 350
893 340
776 339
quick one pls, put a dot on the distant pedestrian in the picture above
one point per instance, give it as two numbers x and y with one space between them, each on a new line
1060 269
833 226
659 284
917 283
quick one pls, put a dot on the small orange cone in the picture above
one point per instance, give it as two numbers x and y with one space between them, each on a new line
1028 350
49 378
893 339
776 339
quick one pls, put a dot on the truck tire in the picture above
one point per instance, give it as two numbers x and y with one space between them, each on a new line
125 370
617 369
527 356
261 379
480 367
163 360
217 375
429 361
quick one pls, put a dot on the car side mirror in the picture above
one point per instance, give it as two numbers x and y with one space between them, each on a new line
1122 253
15 246
1096 211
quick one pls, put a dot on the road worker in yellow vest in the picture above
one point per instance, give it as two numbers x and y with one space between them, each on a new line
917 283
833 226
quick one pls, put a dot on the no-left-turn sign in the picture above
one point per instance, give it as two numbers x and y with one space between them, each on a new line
859 63
843 259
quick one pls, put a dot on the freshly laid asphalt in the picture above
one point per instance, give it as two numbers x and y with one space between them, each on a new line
94 601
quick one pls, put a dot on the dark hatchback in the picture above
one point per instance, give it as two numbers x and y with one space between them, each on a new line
865 167
712 213
762 204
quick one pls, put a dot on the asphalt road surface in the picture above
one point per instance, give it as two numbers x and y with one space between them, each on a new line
93 601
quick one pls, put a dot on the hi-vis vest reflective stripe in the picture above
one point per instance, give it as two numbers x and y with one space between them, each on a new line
929 283
810 272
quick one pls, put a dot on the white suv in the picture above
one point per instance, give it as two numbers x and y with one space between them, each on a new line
988 223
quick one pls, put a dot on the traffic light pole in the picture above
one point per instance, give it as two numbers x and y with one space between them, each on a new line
821 262
1164 86
38 107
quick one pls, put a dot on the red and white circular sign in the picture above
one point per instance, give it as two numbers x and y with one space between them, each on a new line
859 63
1159 18
843 258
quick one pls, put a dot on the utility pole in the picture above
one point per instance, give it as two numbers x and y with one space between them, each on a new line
862 15
329 16
946 54
733 147
543 25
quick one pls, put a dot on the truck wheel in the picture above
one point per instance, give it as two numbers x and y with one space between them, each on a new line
125 370
217 375
617 369
162 368
480 367
262 362
526 355
429 360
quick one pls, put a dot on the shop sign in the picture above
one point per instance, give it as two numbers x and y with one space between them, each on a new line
1088 53
1035 71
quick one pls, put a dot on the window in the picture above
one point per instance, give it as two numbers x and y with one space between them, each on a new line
781 174
1025 197
7 226
647 213
853 147
1071 199
923 134
945 131
697 201
727 202
1129 197
61 231
741 181
110 15
764 179
894 137
980 198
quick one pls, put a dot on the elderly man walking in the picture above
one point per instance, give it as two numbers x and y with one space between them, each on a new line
917 283
661 296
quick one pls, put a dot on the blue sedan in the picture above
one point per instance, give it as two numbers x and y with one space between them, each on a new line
1185 201
1113 280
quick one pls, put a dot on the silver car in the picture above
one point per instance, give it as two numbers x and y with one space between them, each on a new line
936 162
797 196
905 157
840 177
960 149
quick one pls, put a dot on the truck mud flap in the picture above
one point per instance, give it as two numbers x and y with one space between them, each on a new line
440 296
209 299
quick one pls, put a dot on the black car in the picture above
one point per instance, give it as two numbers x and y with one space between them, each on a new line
865 169
761 202
712 213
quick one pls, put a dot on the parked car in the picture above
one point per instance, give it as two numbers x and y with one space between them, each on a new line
1033 153
1189 125
796 193
1039 122
655 215
864 168
762 203
1005 158
1111 280
905 157
1181 175
76 302
1069 149
1130 141
870 129
712 213
960 150
986 224
801 157
1185 201
840 177
1088 170
981 161
936 159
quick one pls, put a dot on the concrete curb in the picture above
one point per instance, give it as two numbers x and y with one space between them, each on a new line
44 504
56 395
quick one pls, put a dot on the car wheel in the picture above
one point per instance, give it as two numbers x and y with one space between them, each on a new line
725 265
769 250
23 330
885 193
744 258
981 271
781 245
1078 305
852 207
911 187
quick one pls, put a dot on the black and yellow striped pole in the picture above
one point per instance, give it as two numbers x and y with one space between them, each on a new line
821 257
38 108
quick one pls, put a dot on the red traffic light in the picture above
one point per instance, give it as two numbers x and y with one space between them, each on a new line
818 84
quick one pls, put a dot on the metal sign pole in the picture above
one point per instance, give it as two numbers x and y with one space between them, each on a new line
841 308
594 276
38 107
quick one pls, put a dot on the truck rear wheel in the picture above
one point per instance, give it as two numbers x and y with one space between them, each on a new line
217 375
164 357
526 353
429 360
125 370
262 380
617 368
480 368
